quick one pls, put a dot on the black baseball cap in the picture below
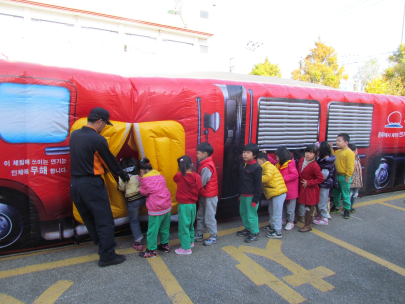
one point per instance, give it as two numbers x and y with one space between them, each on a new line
100 113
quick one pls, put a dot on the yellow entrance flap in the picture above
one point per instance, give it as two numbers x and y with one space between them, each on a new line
162 142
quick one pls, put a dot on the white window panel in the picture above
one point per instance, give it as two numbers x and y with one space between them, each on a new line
352 118
290 123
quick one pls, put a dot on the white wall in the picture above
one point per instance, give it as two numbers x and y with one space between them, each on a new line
101 45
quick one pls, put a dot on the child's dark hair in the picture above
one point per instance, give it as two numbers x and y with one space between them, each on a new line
129 165
344 136
252 148
324 150
263 156
353 147
185 163
144 164
312 148
283 155
298 153
205 147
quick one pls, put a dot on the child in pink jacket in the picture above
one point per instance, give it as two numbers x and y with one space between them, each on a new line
288 169
159 204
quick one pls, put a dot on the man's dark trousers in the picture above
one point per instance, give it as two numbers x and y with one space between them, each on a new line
90 197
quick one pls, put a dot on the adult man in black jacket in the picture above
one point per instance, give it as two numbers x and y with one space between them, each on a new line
89 153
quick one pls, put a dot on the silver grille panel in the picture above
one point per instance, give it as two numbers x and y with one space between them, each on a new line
353 119
287 123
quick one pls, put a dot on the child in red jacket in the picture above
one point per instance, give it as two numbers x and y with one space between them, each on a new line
188 188
310 178
208 200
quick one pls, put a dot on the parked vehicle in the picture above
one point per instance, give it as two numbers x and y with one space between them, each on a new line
163 118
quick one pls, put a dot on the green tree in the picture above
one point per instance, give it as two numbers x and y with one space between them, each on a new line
266 69
320 66
366 73
392 82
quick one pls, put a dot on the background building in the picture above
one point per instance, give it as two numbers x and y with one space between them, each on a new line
123 36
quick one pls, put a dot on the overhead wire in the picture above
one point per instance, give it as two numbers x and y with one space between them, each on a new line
336 12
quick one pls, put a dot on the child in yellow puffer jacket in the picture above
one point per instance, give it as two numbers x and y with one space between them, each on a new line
275 191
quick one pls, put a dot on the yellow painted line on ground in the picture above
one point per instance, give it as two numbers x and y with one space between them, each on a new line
53 293
260 276
392 206
47 266
169 282
9 299
379 201
359 251
89 258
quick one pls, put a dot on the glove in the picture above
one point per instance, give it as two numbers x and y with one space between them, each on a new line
125 177
254 204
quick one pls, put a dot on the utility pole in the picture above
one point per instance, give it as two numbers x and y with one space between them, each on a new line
403 19
231 64
252 46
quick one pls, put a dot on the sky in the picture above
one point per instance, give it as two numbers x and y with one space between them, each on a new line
358 30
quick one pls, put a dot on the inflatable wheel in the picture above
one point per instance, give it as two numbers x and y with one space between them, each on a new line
18 220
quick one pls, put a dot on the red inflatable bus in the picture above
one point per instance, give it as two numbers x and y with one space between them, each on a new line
164 118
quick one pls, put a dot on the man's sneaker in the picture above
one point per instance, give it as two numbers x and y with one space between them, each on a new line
119 258
346 214
267 228
183 251
252 237
244 232
334 209
148 254
164 247
198 237
211 240
328 216
137 245
274 235
322 221
352 210
289 226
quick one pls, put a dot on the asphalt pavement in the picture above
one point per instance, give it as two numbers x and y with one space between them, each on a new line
360 260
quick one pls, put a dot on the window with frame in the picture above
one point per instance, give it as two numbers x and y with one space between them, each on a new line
290 123
354 119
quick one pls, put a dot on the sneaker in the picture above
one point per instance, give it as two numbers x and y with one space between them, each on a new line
346 214
198 237
317 217
274 235
244 232
352 210
301 219
137 245
334 210
119 258
252 237
267 228
164 247
192 245
182 251
328 216
148 254
322 221
211 240
289 226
